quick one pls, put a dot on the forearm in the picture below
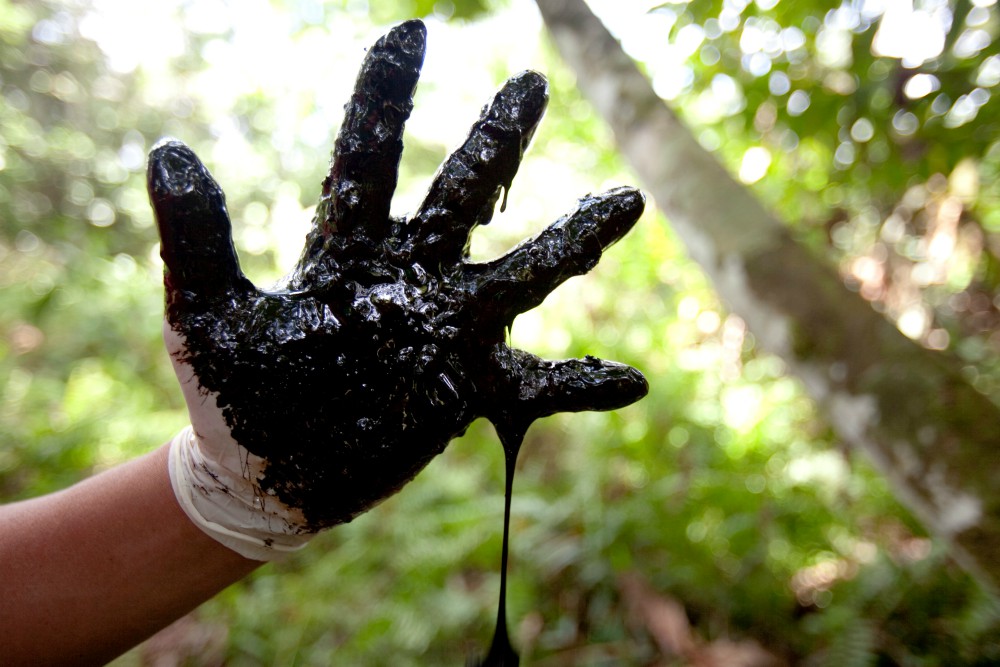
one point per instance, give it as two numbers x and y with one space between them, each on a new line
93 570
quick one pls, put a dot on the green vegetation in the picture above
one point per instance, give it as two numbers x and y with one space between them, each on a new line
722 494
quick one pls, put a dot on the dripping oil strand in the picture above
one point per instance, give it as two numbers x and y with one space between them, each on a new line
502 653
501 650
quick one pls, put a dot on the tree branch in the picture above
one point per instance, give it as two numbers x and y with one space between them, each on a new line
926 429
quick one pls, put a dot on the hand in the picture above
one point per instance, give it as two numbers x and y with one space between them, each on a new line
386 342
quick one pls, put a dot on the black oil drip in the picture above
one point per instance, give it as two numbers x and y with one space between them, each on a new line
386 342
502 653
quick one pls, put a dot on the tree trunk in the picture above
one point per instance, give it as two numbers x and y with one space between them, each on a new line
935 437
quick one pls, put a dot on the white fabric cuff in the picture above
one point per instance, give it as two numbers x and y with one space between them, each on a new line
221 496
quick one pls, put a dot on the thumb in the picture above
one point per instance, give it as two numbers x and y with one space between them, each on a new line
543 387
196 241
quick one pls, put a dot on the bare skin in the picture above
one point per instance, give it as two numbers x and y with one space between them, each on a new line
386 343
95 569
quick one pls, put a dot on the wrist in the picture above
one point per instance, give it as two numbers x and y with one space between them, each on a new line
218 490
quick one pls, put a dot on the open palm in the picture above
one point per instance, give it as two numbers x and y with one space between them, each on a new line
385 342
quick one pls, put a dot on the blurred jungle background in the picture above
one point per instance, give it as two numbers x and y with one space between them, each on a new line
723 520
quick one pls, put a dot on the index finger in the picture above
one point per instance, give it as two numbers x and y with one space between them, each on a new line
571 246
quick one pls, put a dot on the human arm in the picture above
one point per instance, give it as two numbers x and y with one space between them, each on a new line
312 401
92 570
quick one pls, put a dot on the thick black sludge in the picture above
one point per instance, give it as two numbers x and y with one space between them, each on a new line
502 653
386 342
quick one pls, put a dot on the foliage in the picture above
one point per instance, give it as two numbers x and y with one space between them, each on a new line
723 488
872 130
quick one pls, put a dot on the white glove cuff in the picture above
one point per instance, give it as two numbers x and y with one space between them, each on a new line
221 496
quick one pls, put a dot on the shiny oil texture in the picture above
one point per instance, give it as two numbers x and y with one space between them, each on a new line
385 342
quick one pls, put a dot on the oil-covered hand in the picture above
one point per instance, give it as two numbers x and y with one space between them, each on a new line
325 395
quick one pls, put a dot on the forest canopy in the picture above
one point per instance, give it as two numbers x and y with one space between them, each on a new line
722 520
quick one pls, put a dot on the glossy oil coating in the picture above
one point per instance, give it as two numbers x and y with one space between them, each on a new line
502 653
386 342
